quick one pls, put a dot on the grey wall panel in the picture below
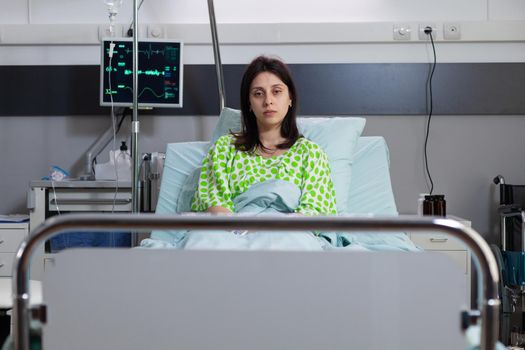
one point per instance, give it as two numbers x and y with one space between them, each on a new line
362 89
481 88
49 90
324 89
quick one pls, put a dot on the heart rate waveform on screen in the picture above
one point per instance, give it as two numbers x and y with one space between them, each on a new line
159 74
170 53
166 94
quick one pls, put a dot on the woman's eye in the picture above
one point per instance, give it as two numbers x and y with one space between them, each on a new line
277 92
257 94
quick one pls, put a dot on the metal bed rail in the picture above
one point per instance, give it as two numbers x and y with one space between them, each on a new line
487 268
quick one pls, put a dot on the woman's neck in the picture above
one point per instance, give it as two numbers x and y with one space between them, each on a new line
270 139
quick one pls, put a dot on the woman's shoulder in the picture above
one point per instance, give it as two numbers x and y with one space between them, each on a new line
228 138
224 145
225 141
310 149
308 145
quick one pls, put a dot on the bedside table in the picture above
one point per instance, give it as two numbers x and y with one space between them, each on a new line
11 235
450 246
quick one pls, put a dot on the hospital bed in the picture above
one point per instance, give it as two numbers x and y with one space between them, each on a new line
264 299
268 298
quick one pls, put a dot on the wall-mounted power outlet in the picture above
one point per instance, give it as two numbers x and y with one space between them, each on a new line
451 31
156 31
142 31
402 31
424 36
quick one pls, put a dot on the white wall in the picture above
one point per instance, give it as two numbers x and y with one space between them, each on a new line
68 31
465 151
269 11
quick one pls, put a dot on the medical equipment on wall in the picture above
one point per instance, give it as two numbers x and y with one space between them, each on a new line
155 67
160 73
510 254
90 156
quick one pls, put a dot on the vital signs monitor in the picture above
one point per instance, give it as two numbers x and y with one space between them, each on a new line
160 73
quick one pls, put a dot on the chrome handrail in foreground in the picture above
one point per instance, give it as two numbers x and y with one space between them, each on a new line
487 268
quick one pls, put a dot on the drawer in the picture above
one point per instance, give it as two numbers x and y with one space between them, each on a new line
90 200
6 264
10 239
436 241
459 257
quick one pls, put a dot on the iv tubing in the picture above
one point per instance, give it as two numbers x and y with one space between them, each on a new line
135 123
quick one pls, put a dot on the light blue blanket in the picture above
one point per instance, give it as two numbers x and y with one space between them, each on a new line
275 197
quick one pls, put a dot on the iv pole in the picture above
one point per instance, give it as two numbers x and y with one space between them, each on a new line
217 55
135 194
135 180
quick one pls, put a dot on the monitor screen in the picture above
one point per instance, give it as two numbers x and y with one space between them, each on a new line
160 73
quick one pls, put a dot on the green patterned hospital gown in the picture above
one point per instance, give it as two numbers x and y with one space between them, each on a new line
227 172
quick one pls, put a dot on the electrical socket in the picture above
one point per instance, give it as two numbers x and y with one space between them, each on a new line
424 36
156 31
451 31
402 31
142 30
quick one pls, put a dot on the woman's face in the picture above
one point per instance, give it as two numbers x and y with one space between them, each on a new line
269 100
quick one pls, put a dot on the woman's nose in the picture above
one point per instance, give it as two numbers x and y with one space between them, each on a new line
268 100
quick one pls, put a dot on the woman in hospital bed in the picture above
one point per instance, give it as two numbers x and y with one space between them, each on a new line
269 159
266 167
269 148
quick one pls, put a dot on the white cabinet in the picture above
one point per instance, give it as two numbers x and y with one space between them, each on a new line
450 246
11 235
46 199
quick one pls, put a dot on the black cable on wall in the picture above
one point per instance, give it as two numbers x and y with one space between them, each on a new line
428 31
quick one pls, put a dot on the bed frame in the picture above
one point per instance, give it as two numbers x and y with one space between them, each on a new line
488 275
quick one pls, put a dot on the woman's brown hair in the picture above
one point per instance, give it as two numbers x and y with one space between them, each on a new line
248 138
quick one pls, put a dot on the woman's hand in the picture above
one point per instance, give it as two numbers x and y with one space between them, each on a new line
217 209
